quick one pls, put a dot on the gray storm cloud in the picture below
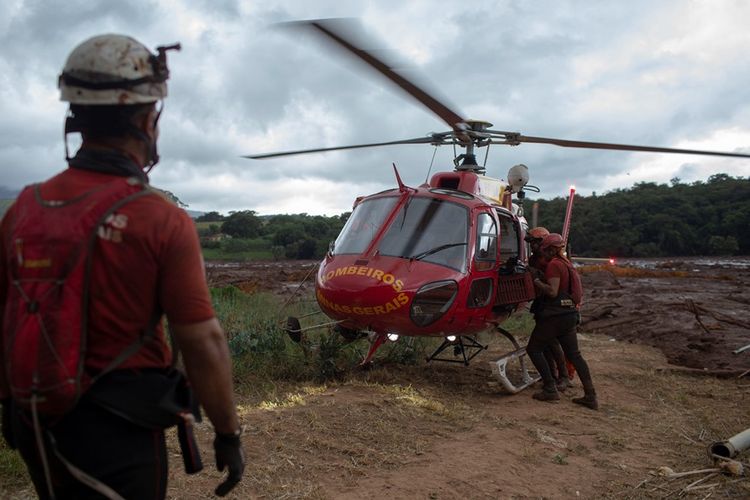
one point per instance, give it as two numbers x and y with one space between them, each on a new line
655 73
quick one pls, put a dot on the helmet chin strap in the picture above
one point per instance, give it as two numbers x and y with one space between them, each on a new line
153 153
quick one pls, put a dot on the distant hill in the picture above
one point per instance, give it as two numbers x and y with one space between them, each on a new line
194 213
654 220
4 204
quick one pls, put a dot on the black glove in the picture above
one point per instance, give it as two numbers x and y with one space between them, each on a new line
7 427
229 454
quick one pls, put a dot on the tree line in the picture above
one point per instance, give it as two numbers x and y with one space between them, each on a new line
646 220
652 220
297 236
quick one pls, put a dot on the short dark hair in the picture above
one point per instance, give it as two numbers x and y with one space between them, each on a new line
105 121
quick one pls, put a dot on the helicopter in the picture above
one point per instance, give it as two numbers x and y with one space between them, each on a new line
447 258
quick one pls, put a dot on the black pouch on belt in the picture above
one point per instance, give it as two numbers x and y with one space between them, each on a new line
154 399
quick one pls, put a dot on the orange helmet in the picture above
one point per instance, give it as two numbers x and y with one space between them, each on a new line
537 233
553 240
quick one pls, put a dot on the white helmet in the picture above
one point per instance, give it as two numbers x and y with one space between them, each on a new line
114 70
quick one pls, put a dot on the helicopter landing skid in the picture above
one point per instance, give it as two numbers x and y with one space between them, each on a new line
466 347
499 366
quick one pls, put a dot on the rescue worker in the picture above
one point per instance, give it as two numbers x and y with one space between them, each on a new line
534 238
557 319
145 261
553 353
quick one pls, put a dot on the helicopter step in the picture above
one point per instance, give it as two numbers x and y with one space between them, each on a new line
500 367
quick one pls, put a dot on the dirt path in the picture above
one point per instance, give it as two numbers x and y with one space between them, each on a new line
444 431
449 432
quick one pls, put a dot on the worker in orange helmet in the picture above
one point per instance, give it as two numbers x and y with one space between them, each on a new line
553 353
557 319
534 238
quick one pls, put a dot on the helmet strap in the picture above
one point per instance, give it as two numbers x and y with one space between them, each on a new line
153 153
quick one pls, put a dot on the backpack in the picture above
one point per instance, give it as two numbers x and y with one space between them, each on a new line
575 287
45 319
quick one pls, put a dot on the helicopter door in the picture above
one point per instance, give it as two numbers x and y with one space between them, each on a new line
486 251
514 284
485 260
510 244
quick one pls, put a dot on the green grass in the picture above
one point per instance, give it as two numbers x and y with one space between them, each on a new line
263 353
12 469
238 249
220 254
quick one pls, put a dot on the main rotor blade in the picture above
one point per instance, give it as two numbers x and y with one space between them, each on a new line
332 28
625 147
418 140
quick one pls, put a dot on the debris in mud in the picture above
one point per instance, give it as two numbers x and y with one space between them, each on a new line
696 320
692 310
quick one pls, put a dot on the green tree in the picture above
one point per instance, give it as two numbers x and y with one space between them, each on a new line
243 224
210 217
723 245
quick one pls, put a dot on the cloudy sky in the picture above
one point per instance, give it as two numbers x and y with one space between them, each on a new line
672 73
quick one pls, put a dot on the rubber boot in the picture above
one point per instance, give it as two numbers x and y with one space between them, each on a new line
548 393
589 396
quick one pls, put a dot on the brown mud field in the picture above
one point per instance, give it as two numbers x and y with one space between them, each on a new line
659 338
696 311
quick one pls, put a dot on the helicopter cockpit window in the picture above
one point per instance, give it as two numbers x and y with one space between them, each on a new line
486 241
363 225
430 230
509 242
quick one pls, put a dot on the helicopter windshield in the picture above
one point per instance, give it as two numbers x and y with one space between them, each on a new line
431 230
363 225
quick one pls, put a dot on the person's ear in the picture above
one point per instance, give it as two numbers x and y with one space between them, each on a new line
147 123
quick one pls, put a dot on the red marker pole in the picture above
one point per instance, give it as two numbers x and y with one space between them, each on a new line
568 212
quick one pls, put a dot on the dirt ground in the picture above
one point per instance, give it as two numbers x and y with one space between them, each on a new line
658 339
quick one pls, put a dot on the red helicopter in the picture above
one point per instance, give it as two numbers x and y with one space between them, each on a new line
445 259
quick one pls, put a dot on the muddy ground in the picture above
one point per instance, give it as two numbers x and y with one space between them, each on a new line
695 311
658 337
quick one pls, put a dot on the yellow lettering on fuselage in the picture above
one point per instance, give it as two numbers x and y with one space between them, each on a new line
365 271
396 303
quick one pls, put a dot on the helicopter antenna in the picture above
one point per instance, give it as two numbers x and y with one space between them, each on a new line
401 186
434 152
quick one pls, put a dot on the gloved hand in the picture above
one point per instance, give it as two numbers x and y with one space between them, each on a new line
229 455
7 426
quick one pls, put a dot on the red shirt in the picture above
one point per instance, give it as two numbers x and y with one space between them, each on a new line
153 263
558 268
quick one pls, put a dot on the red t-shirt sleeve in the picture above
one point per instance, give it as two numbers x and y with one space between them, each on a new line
554 269
557 268
183 292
